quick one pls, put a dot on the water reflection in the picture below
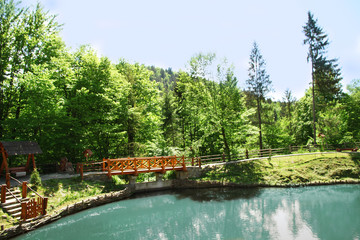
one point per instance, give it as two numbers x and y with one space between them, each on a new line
330 212
217 194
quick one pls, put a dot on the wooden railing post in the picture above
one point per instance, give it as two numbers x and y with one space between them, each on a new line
44 206
3 193
192 161
24 189
223 157
162 165
23 210
247 154
135 166
108 168
103 165
199 162
290 149
183 163
8 180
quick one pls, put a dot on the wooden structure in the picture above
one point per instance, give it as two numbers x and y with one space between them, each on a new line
134 166
18 148
346 149
18 205
87 153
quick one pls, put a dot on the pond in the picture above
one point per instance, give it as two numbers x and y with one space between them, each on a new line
323 212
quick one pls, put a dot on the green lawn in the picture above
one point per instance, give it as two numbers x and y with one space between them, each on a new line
290 170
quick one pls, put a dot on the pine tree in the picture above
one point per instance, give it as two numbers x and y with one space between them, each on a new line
259 83
325 73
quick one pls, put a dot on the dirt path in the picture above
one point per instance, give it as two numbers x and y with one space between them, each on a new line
43 177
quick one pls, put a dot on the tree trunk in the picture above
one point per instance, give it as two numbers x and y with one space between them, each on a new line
313 102
259 119
227 149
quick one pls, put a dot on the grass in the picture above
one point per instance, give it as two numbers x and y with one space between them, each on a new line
63 192
290 170
283 170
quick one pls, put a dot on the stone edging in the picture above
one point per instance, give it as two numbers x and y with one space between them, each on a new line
127 192
68 210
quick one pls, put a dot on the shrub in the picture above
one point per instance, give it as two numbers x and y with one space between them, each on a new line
35 179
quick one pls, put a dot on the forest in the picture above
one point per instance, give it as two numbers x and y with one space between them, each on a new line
72 100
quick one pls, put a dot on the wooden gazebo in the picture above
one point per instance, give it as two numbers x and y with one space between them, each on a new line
13 148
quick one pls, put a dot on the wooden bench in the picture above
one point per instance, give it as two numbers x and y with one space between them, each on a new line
346 149
17 169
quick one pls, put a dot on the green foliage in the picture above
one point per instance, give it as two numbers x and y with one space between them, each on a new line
35 178
290 170
118 180
69 101
146 177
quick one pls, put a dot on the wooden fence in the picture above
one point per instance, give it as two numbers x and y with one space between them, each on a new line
134 166
29 208
249 154
159 164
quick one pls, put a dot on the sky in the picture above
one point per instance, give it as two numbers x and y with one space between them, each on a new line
167 33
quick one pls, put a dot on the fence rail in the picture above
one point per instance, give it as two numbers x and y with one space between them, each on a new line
144 164
29 208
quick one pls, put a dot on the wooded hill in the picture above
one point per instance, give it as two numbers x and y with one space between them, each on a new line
69 101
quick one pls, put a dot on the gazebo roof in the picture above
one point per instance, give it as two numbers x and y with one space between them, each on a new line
21 148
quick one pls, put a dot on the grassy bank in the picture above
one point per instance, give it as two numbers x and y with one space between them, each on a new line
62 192
272 171
289 170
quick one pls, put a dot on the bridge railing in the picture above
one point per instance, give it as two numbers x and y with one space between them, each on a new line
158 164
121 166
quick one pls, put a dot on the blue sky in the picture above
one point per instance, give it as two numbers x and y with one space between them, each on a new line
168 33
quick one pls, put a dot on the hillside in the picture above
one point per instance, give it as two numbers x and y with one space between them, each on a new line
290 170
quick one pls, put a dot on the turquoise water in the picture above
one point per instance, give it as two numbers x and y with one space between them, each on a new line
325 212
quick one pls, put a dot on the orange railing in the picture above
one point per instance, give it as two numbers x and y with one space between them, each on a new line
134 166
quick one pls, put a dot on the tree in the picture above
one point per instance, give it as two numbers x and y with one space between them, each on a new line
325 73
143 112
259 83
27 38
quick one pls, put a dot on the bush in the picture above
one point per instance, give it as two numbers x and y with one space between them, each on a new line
35 179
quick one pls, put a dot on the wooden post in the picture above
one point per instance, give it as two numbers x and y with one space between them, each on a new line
183 163
23 211
4 163
290 149
81 166
192 161
44 205
3 193
247 154
108 167
24 190
28 163
162 165
103 165
135 166
199 162
8 180
223 157
33 161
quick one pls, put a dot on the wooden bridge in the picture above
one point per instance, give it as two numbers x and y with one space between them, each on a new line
134 166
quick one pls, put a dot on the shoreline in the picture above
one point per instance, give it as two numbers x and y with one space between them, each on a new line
129 191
